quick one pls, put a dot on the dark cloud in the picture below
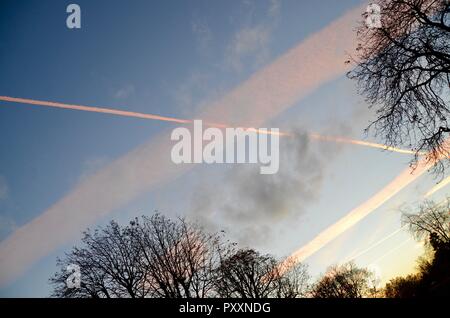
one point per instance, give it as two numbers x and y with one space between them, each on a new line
248 204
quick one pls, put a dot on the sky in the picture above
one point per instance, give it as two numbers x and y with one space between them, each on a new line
277 63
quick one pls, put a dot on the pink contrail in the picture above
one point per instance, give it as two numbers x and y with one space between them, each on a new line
117 112
103 110
92 109
345 140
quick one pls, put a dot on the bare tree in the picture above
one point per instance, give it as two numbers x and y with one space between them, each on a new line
179 257
431 223
344 281
403 71
153 258
107 261
294 282
248 274
157 257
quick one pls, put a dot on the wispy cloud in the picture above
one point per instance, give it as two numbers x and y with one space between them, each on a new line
194 93
7 226
203 35
250 45
4 188
274 8
124 91
92 165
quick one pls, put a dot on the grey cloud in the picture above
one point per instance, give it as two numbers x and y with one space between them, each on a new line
247 204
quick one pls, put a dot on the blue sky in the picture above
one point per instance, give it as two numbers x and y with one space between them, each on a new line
172 58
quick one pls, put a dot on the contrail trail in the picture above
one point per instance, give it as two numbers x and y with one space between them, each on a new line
392 250
117 112
438 187
103 110
92 109
387 237
374 244
356 215
384 238
345 140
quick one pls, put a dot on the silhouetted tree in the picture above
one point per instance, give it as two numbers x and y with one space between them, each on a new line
107 262
432 278
248 274
178 257
431 223
344 281
294 282
153 258
157 257
403 71
402 287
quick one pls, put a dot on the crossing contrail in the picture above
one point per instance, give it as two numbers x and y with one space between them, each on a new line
357 214
406 177
438 187
375 244
392 250
345 140
356 255
117 112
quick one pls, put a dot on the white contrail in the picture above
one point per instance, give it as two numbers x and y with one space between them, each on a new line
374 244
392 234
382 240
392 250
438 187
356 215
345 140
